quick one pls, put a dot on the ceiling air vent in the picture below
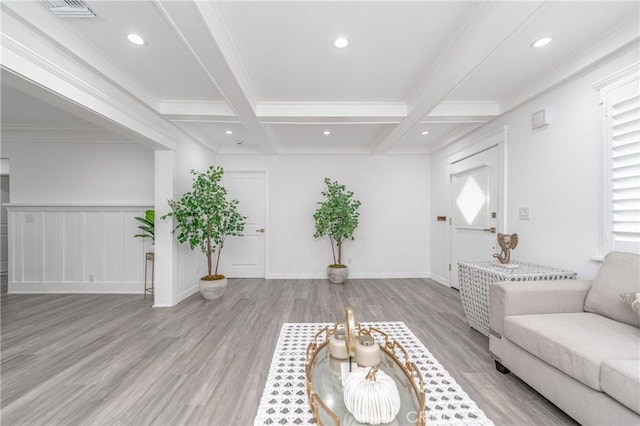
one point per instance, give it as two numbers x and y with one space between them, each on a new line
69 8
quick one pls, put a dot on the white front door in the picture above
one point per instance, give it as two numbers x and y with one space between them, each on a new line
244 257
474 198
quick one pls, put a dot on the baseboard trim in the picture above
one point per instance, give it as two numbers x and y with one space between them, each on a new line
360 275
440 280
186 293
75 288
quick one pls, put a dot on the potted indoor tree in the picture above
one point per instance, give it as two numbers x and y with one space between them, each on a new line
204 219
337 218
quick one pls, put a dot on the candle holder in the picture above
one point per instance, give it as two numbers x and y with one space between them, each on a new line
367 352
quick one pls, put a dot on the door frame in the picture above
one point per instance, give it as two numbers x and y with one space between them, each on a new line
496 137
265 172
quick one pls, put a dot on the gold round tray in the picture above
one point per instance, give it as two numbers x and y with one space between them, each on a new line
324 385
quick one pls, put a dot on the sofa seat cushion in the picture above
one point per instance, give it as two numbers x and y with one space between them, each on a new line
574 343
620 379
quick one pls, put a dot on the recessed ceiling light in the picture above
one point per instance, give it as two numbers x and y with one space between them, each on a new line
341 43
228 132
135 39
326 132
426 132
541 42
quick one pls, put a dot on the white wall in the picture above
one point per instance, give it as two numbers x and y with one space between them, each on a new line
392 237
82 173
556 170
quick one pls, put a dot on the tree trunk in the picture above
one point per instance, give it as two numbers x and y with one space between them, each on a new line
218 259
333 250
208 250
340 253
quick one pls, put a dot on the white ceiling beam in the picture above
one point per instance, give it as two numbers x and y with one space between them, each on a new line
491 25
330 120
32 64
201 29
465 108
331 109
56 30
202 108
323 150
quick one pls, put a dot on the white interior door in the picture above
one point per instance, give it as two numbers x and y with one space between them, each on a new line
474 218
245 257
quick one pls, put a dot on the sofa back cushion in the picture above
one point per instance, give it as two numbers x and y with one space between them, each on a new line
620 273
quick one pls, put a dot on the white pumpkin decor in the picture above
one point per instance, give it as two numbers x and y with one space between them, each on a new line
371 396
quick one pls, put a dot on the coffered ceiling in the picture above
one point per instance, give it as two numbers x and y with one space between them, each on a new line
265 76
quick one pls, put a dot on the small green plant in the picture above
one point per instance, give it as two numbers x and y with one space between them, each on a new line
337 217
205 218
147 225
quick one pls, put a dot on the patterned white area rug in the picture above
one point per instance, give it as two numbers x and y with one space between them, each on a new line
284 399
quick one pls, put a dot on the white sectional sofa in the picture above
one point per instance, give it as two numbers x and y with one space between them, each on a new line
575 342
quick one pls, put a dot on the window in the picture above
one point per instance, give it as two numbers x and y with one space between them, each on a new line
621 101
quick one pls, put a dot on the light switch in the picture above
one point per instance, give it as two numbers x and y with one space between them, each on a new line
524 213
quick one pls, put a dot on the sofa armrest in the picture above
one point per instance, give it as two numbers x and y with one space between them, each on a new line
534 297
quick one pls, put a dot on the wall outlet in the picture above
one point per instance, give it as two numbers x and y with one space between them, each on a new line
90 278
524 213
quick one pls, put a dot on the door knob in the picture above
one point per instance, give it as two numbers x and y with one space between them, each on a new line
492 230
261 230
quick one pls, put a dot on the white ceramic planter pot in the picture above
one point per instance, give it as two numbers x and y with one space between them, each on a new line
212 289
337 275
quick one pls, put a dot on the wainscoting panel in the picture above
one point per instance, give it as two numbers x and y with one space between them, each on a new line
53 261
75 249
73 243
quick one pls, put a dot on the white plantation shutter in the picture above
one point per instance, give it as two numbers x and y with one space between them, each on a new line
623 166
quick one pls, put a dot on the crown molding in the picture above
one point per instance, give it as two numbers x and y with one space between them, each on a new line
331 109
199 108
620 40
623 76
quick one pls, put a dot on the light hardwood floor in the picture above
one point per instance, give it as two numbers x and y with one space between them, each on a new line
112 359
